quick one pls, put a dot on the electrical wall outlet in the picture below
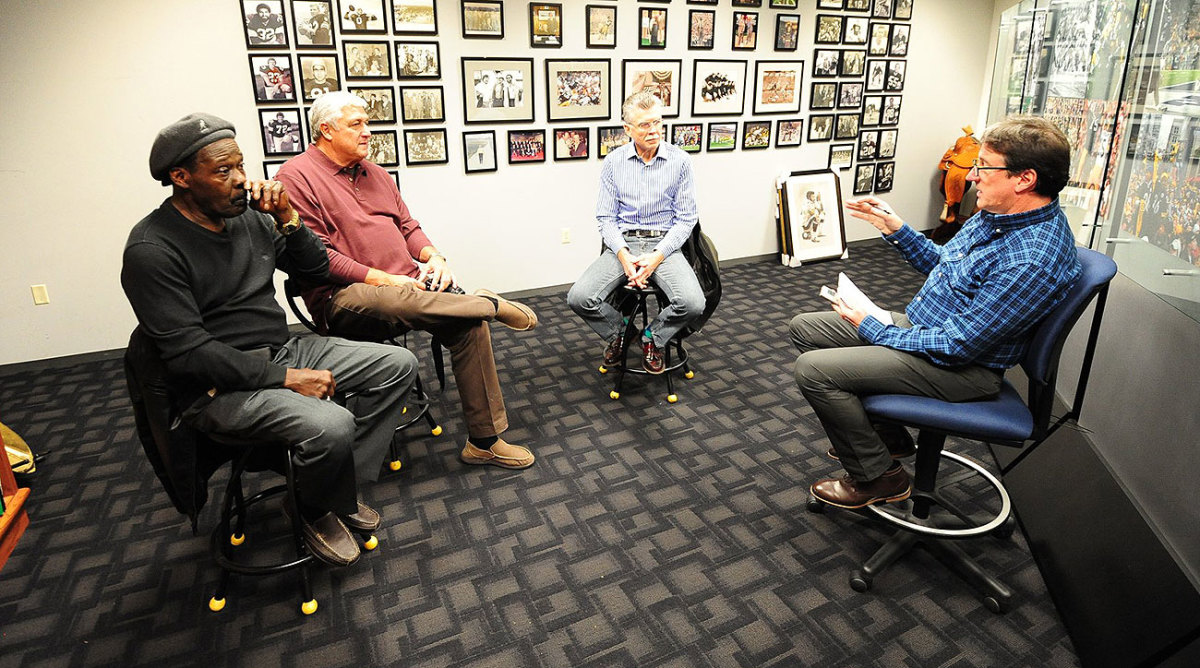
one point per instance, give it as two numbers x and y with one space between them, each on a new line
565 235
40 296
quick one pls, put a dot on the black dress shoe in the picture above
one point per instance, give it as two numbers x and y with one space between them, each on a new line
363 519
846 492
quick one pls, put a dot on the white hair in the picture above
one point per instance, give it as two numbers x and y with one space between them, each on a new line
329 108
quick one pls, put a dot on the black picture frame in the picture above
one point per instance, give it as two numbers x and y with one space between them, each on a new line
545 26
416 59
376 97
362 17
563 139
868 145
850 94
881 9
476 154
898 40
896 70
864 178
722 136
879 39
831 4
516 101
826 63
855 30
853 63
827 29
688 136
872 111
876 74
745 31
885 173
422 104
382 149
784 4
663 76
652 28
822 95
756 135
902 11
273 82
600 24
857 6
718 87
746 3
702 2
702 28
282 131
482 19
610 138
891 109
887 143
313 23
787 32
313 84
789 132
841 156
820 127
777 86
526 146
271 168
578 89
425 147
414 17
361 65
264 30
845 126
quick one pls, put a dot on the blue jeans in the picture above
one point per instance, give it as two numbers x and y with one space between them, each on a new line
605 275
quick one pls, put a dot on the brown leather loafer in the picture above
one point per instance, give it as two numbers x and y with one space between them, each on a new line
330 541
502 454
652 358
513 315
615 352
363 519
846 492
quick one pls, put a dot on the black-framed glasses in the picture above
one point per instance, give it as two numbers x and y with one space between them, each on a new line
976 168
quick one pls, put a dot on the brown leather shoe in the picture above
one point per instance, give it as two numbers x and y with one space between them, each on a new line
329 540
615 352
502 454
652 358
513 315
363 519
846 492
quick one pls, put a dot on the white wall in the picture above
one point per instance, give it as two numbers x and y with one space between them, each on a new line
80 114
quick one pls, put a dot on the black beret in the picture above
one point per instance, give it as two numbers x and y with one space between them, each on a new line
182 138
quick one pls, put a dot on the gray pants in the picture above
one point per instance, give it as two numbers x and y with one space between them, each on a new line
335 446
605 275
836 367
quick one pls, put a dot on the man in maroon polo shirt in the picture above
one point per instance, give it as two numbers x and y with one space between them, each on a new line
378 288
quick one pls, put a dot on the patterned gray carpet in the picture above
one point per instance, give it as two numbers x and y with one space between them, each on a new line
648 533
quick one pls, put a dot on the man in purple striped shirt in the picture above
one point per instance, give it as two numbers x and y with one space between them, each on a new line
646 211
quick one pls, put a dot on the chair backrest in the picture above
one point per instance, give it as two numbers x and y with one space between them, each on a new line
291 290
1045 348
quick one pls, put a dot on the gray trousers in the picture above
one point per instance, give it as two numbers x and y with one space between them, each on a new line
335 446
605 275
836 367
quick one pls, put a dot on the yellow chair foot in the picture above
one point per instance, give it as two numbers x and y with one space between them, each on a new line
690 374
237 539
395 465
216 604
309 607
436 431
404 411
603 369
671 398
371 543
614 395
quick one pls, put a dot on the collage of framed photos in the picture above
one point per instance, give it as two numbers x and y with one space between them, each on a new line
386 52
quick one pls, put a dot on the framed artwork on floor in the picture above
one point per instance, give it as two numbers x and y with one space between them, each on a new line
722 136
719 87
571 143
777 86
497 90
662 77
788 132
578 89
811 226
414 17
425 147
313 23
479 151
526 146
273 81
482 19
266 25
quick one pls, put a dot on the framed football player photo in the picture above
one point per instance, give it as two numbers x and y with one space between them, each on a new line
497 90
722 136
577 89
719 87
414 17
425 147
878 40
853 63
381 103
855 30
788 132
272 77
777 86
313 23
422 104
829 29
823 95
281 131
701 27
479 151
868 145
608 138
601 26
652 28
367 60
318 75
381 148
787 32
841 156
864 178
884 173
902 10
846 126
887 144
745 31
571 143
688 136
756 134
418 60
482 19
820 127
811 223
266 26
361 17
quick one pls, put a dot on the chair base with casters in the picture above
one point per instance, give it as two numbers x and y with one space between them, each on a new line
637 297
230 534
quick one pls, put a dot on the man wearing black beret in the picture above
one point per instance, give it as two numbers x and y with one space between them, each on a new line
198 272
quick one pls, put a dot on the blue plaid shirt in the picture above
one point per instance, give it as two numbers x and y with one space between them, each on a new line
986 288
638 196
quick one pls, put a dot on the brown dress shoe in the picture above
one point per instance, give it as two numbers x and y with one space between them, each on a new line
615 352
329 540
513 315
502 454
846 492
652 358
363 519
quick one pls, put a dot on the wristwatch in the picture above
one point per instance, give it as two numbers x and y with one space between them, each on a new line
290 226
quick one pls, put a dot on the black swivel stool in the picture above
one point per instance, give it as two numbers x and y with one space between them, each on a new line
633 303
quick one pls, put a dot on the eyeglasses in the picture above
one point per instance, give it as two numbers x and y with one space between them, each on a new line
975 168
649 125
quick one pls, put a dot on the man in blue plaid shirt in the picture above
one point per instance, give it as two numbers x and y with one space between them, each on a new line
986 290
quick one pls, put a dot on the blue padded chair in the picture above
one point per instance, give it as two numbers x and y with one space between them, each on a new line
1006 420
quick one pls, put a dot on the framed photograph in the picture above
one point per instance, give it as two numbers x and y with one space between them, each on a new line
702 2
414 17
609 137
899 39
281 131
823 95
850 94
841 155
526 146
891 109
381 104
784 4
829 29
881 9
788 132
272 77
652 28
318 74
688 136
719 88
422 104
903 10
361 17
855 31
846 126
545 27
811 225
884 172
578 89
601 26
660 76
887 144
879 39
395 176
858 5
418 60
497 90
271 168
747 3
854 63
864 178
571 143
701 26
831 4
479 151
745 31
483 19
367 60
722 136
756 134
266 26
425 147
895 75
820 127
872 110
787 32
876 74
826 62
777 86
868 145
313 23
381 148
